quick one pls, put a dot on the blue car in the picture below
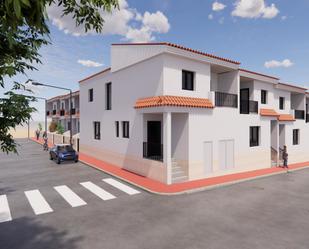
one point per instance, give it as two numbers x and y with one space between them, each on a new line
63 152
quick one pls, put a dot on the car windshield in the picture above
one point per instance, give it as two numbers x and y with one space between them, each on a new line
66 148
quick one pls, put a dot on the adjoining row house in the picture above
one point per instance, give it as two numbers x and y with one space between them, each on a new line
58 109
175 114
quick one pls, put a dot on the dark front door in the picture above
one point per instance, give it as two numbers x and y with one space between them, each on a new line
244 101
154 138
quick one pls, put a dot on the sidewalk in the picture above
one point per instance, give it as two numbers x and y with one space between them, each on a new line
186 187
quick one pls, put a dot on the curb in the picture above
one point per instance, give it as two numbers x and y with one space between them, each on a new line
189 191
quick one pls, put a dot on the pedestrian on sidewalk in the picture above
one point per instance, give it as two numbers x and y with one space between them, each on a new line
285 156
37 134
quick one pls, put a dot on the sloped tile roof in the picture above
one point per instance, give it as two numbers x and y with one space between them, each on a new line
179 101
268 112
286 117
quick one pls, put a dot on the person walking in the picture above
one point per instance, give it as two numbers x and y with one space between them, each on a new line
285 156
37 134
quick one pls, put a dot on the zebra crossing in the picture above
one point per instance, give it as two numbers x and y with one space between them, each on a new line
40 205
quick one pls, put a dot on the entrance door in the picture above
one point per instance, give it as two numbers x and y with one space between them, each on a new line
208 157
226 154
244 101
154 138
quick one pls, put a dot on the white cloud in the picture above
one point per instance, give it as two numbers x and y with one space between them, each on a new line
283 18
216 6
119 22
254 9
210 16
274 63
89 63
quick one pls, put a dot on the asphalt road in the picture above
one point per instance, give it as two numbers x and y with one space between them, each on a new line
267 213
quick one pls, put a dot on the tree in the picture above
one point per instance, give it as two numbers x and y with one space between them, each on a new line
40 127
23 31
53 126
60 128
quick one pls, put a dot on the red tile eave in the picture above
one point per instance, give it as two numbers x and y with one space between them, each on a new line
256 73
286 118
290 85
61 96
93 75
180 47
268 113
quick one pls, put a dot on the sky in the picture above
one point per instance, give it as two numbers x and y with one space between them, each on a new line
267 36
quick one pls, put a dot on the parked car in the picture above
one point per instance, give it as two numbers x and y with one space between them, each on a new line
63 152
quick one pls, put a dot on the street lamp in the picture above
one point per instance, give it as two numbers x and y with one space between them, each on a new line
57 87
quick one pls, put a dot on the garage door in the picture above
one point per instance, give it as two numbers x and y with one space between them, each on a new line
226 154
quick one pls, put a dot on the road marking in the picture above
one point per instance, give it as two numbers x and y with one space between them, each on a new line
73 199
95 189
5 213
121 186
38 202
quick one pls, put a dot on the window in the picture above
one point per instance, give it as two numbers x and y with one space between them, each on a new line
108 96
263 96
281 103
117 128
187 80
125 129
90 95
295 136
97 130
254 136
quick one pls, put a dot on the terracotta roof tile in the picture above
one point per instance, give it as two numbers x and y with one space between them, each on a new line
286 117
268 113
180 101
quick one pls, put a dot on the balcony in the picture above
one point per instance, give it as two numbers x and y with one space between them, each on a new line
153 151
307 118
249 106
62 112
54 112
47 113
299 114
226 99
73 111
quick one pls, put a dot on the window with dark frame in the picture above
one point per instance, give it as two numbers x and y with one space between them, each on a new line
263 96
90 95
125 129
281 103
108 96
187 80
254 136
295 136
117 128
97 130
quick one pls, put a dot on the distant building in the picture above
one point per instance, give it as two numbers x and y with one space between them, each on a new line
58 109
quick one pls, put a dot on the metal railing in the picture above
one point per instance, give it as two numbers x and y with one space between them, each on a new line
153 151
307 118
62 112
249 106
73 111
54 112
253 106
47 113
299 114
226 99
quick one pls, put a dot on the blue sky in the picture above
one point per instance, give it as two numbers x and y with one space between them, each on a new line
253 32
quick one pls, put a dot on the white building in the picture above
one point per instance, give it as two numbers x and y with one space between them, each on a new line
175 114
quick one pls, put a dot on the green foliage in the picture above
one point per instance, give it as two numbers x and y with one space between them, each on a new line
23 31
60 128
53 126
40 127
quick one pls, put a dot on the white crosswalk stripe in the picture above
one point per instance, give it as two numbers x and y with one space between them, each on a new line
73 199
38 202
5 213
121 186
98 191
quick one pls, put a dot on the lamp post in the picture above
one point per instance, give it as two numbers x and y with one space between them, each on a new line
62 88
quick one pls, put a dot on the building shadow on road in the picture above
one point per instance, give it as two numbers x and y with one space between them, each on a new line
26 233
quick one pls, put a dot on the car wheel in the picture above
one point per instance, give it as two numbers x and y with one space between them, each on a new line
76 160
58 161
50 157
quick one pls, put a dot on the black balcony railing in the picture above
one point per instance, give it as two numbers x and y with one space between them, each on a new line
73 111
153 151
62 112
54 112
47 113
307 118
249 106
299 114
226 99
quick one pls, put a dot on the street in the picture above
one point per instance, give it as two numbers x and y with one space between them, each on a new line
77 207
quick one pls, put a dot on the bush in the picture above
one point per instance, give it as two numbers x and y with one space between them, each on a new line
60 128
52 126
40 127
